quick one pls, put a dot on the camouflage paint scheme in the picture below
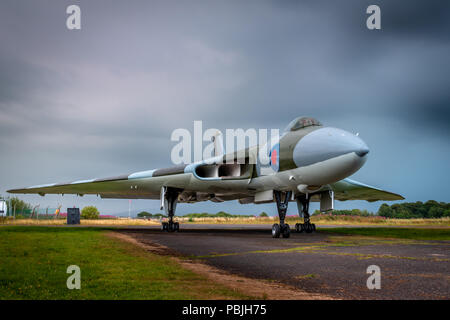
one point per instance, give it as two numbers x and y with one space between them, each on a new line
311 159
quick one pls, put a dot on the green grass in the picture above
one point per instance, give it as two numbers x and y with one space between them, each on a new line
403 233
34 260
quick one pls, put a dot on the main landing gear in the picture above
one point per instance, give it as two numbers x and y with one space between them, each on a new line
303 208
170 204
283 229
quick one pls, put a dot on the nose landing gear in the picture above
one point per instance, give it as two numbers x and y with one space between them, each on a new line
282 229
303 208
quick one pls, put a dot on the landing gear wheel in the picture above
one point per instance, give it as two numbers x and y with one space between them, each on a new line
286 231
170 198
173 226
299 227
282 200
303 208
276 230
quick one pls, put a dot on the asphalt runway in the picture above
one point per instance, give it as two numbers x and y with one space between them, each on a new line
334 265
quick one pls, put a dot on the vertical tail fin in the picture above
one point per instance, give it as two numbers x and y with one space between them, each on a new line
218 144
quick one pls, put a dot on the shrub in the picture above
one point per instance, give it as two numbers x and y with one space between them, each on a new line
144 214
90 212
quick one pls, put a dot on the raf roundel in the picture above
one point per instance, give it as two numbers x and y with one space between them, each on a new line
274 157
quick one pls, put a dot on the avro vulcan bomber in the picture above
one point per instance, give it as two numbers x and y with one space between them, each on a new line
310 162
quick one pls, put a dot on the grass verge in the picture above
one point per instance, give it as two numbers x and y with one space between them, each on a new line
34 261
90 222
402 233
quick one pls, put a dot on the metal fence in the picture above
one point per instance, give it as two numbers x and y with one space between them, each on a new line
36 212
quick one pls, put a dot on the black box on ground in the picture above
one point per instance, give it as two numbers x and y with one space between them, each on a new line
73 215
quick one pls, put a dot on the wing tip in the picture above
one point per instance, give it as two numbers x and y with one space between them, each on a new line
15 191
396 196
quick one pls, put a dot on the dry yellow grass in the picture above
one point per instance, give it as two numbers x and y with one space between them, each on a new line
334 220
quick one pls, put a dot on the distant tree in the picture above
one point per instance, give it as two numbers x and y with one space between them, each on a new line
263 214
222 214
90 212
446 213
20 205
385 211
144 214
435 212
366 213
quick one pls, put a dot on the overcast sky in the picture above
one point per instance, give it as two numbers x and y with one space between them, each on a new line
105 99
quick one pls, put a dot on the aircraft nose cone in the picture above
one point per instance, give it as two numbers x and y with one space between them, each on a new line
362 152
327 143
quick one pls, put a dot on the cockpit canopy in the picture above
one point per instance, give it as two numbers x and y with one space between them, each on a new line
302 122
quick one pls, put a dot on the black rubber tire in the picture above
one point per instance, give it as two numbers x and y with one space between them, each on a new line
313 227
297 227
286 232
177 226
276 230
308 228
164 226
302 228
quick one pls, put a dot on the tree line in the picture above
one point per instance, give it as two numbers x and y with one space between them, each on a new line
405 210
408 210
220 214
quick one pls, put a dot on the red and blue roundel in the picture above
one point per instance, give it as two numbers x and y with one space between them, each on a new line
275 157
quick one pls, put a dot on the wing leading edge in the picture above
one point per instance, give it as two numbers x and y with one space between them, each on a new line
130 186
348 189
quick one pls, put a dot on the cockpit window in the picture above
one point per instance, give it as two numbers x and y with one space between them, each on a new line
302 122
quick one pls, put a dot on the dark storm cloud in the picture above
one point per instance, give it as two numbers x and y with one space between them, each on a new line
320 59
104 100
